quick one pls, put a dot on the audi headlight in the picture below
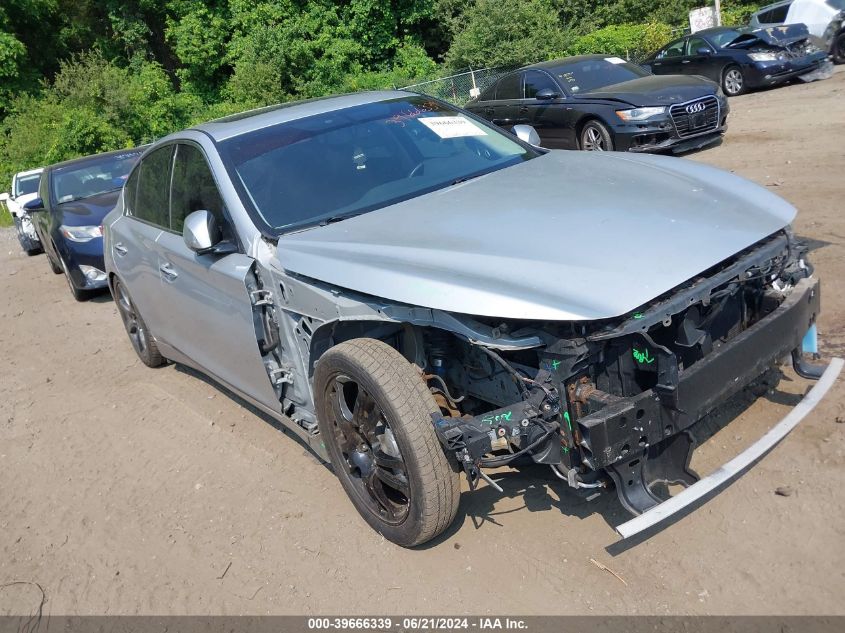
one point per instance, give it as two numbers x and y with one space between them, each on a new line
763 57
81 233
639 114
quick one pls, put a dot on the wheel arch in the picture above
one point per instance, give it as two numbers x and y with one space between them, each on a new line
592 116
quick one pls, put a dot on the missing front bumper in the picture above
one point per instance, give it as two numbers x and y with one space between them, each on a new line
698 491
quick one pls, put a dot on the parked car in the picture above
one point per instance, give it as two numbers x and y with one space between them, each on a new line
73 198
416 293
740 58
24 189
600 103
824 18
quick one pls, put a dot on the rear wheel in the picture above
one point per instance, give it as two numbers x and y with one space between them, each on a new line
595 137
838 48
139 334
733 81
30 246
374 413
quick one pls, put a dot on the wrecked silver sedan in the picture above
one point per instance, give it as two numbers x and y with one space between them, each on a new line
420 296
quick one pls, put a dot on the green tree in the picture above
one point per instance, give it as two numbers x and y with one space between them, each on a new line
495 33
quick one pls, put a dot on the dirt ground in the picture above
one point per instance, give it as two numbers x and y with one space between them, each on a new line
125 490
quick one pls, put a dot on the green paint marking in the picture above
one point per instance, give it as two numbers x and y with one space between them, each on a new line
638 315
565 449
642 357
555 364
507 416
568 421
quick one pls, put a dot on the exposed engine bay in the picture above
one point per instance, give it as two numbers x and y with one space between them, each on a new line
609 401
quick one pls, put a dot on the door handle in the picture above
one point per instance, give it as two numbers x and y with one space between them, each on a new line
120 249
523 109
488 110
168 271
686 61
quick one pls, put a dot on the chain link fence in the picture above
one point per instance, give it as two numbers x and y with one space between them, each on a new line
460 88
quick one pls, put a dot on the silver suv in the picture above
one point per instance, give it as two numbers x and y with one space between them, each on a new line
418 294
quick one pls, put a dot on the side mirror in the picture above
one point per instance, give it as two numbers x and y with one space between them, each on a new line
546 94
34 205
527 134
200 231
704 51
4 196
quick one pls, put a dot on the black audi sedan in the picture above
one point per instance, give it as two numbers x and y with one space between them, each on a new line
73 198
741 58
602 103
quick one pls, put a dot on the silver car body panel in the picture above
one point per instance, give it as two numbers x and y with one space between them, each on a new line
566 236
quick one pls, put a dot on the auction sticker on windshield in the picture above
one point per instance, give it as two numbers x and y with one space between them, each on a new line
615 60
452 126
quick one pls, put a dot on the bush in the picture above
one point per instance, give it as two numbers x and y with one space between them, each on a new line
738 15
630 41
494 33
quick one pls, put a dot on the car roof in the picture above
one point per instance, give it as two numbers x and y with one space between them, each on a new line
719 29
563 61
84 159
29 172
237 124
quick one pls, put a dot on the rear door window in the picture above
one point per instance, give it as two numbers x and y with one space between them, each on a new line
194 188
509 87
152 198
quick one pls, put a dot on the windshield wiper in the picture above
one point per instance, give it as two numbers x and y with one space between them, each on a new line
336 218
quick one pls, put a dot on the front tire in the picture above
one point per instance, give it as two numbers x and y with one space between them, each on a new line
374 414
78 293
140 336
733 81
595 137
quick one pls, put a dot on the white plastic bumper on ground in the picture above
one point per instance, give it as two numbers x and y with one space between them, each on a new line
739 463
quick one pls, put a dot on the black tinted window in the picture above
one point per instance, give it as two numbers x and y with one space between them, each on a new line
675 49
489 94
535 81
193 188
129 193
152 197
774 16
695 44
508 87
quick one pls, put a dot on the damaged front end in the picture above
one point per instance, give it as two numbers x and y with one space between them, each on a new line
612 402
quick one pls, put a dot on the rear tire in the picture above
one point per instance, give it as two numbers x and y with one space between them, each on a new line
837 49
374 414
595 137
143 342
29 246
733 81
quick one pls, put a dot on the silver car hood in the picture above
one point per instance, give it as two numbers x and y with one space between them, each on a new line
565 236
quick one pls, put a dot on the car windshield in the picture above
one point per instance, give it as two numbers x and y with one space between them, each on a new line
591 74
335 165
724 38
25 185
93 177
839 5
